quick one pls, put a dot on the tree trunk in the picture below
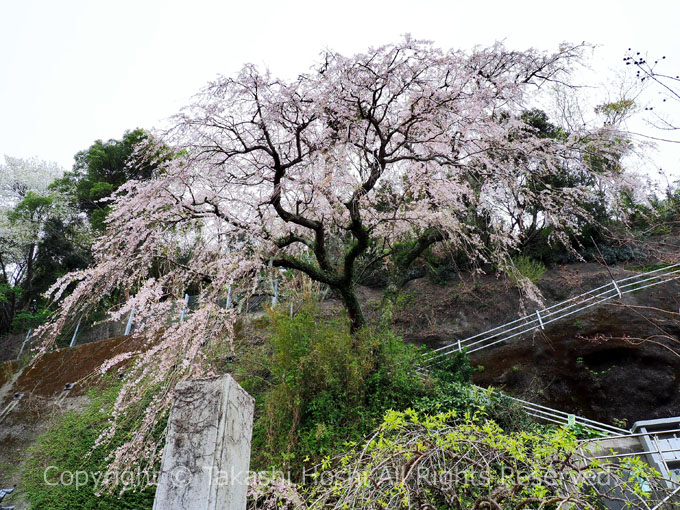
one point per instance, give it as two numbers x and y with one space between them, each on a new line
26 290
353 307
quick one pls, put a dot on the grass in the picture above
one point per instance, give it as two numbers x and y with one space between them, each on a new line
62 472
525 268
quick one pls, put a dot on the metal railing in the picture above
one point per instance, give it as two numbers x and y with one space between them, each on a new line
17 344
665 460
550 415
538 320
541 318
517 327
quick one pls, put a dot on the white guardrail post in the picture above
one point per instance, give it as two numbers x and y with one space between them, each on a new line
275 297
75 333
128 327
182 316
540 321
228 303
23 345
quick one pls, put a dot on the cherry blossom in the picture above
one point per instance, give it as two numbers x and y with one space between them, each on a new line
364 161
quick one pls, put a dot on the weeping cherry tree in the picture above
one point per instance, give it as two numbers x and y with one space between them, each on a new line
365 161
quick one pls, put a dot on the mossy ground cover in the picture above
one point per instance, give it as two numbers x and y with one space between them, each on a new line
47 376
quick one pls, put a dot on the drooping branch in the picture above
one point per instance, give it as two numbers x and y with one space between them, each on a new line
423 242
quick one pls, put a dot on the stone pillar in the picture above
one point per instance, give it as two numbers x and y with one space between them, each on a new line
207 450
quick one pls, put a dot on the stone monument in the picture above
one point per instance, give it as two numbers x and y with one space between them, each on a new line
207 450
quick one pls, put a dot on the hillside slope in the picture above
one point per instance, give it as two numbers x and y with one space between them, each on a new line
573 365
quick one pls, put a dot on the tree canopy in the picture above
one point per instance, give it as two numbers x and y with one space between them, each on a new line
102 168
48 219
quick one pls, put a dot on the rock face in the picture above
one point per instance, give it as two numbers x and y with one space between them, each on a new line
207 450
616 362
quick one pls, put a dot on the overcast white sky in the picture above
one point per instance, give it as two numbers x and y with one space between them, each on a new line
73 71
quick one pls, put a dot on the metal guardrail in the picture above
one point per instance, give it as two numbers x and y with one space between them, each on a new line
491 337
108 329
566 419
541 318
517 327
557 417
650 445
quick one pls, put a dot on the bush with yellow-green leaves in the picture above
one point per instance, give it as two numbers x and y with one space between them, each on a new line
447 461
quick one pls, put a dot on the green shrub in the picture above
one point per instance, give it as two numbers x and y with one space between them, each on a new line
465 398
454 367
66 446
447 461
325 387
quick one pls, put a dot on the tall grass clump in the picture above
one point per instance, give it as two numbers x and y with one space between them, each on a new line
64 472
524 267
